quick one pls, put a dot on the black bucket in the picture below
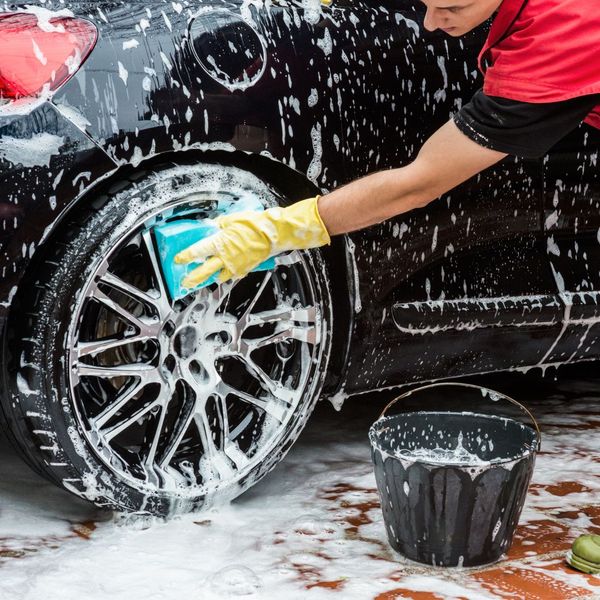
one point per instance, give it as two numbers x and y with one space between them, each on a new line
453 482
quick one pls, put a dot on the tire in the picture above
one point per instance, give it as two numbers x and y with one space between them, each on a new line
108 381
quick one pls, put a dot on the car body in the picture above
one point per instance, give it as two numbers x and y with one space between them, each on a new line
498 274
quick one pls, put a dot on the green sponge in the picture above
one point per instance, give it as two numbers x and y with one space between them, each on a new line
585 554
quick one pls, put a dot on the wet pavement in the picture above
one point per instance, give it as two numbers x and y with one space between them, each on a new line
313 528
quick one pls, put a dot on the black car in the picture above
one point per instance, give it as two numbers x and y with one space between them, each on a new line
118 116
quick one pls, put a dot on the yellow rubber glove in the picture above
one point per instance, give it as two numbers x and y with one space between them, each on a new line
249 238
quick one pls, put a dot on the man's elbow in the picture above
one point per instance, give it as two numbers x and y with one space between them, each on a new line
422 199
422 187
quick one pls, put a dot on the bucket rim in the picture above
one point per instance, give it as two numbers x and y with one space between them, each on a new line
471 386
530 449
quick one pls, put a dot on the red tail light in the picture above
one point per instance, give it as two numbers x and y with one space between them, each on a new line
38 58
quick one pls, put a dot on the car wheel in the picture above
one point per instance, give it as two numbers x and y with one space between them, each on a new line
145 404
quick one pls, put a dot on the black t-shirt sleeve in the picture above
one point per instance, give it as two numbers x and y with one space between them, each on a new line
521 128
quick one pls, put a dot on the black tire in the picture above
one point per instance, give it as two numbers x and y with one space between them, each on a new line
46 411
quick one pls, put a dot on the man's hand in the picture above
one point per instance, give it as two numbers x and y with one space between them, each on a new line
246 239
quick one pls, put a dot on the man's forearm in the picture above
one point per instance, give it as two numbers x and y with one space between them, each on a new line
369 200
447 159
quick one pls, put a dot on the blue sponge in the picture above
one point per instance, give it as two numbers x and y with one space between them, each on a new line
172 238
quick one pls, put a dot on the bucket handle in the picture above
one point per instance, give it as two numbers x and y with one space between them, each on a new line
469 385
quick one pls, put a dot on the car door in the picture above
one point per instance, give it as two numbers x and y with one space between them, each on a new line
572 229
429 282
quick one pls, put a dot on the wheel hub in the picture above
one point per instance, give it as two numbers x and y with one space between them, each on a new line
185 342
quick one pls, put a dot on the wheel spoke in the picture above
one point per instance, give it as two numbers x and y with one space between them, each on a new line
257 295
272 406
302 334
101 297
206 434
176 438
164 397
122 399
230 447
221 402
130 290
198 414
273 387
99 346
146 372
233 452
217 459
127 422
156 438
283 313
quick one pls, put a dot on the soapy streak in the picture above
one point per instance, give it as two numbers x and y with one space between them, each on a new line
434 316
417 317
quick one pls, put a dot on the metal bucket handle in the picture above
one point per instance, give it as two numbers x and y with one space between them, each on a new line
469 385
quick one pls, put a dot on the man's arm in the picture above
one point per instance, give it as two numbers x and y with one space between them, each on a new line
446 159
246 239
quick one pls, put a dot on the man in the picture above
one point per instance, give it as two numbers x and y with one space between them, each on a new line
541 80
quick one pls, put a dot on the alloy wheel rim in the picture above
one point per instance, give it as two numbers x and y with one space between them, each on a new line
191 395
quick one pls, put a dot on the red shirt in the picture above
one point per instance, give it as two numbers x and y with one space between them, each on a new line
544 51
